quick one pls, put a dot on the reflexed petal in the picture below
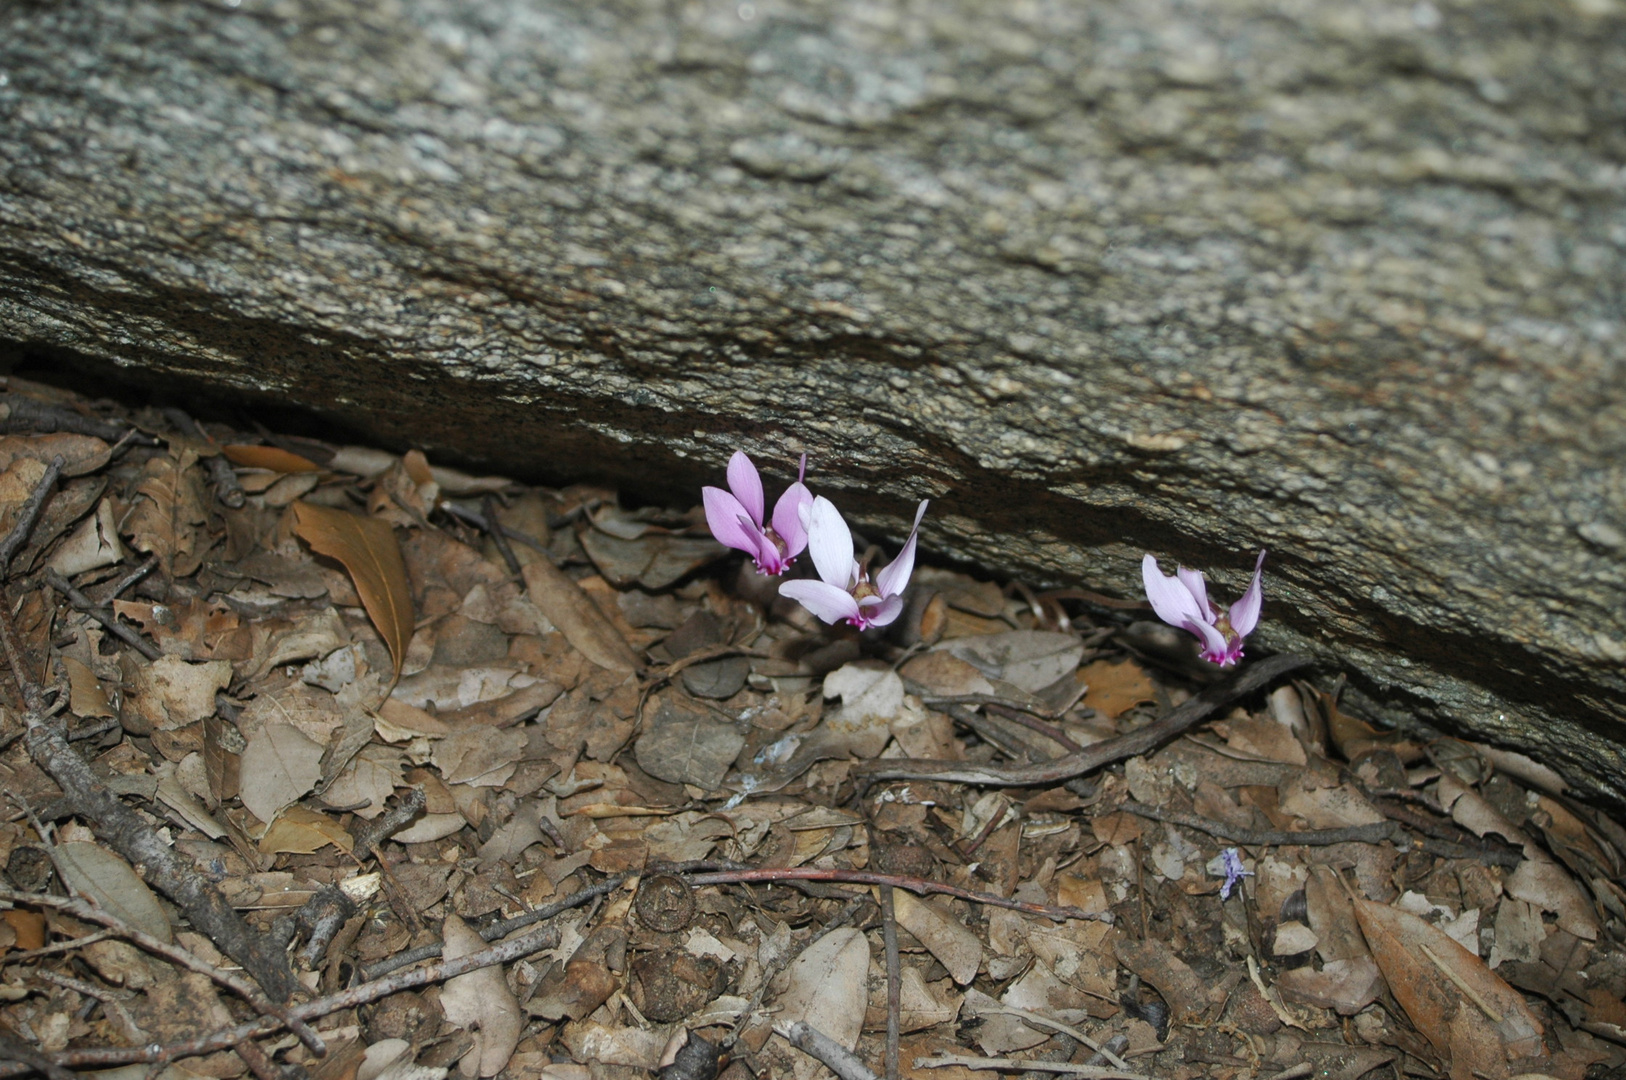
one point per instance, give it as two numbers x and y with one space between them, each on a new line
768 557
1215 647
830 543
746 485
787 518
821 598
877 612
892 580
1245 612
1193 581
1169 597
723 514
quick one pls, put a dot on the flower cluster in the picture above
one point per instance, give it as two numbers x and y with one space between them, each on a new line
1183 601
735 516
844 590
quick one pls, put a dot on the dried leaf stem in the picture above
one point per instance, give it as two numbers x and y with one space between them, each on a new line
1360 834
86 605
29 514
919 886
894 981
1252 677
542 937
837 1058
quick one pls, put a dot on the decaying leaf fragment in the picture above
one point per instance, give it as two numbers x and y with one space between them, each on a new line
828 990
103 876
278 766
165 519
480 1000
369 551
1474 1019
577 617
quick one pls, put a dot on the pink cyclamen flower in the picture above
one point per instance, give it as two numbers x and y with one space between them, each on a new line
844 590
735 516
1182 601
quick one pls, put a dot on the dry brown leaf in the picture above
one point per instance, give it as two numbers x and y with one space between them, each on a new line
100 874
1474 1019
278 766
80 454
828 988
85 694
369 551
577 617
170 693
944 936
480 999
274 458
1115 688
300 830
166 516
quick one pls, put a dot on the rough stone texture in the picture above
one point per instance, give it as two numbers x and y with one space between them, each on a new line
1344 280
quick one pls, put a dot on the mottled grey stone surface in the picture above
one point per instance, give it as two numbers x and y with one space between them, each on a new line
1344 280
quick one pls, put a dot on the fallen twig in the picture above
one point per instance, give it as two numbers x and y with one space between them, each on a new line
30 416
227 488
29 514
970 1061
85 604
1107 1054
837 1058
1361 834
542 937
89 911
919 886
894 982
1193 712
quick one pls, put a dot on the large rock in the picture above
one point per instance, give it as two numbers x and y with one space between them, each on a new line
1340 280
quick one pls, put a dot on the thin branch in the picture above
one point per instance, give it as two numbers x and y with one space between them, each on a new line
89 911
29 514
969 1061
837 1058
85 604
919 886
499 538
122 829
1253 677
894 982
1359 834
543 937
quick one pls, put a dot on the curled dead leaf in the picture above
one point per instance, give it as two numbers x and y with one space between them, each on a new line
369 551
577 617
274 458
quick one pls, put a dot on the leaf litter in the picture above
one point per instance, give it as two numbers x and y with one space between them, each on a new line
525 782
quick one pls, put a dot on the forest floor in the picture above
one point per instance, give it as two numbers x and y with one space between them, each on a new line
323 761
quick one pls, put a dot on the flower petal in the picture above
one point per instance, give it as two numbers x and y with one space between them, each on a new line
828 602
1198 588
873 611
1245 612
1215 648
746 485
787 518
830 543
1169 597
723 514
892 580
